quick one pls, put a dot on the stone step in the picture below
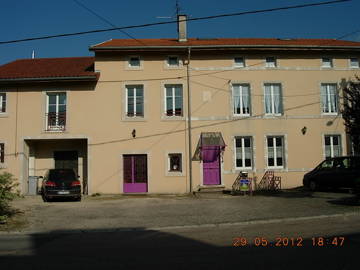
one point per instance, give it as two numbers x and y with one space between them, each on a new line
211 189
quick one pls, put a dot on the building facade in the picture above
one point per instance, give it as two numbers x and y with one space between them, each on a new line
174 116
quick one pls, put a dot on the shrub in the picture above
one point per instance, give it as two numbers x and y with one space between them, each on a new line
7 193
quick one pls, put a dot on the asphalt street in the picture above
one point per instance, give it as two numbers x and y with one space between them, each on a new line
294 230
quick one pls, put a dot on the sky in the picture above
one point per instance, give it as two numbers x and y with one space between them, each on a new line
32 18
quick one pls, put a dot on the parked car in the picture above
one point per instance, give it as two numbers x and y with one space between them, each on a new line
61 183
336 173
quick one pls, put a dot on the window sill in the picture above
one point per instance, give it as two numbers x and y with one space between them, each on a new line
237 170
277 169
240 115
134 68
273 115
172 174
330 114
134 119
173 67
3 166
173 118
4 115
55 131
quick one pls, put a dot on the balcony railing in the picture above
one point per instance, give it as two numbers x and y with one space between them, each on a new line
55 121
176 112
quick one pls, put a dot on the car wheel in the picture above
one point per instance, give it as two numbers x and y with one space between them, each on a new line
313 186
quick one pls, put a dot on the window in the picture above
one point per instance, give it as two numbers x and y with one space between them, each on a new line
327 62
329 100
239 62
275 151
56 111
332 146
273 99
134 61
134 101
2 102
175 163
2 152
173 61
173 100
243 153
270 62
241 99
354 62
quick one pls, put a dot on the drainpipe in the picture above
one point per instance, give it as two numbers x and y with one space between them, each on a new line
189 119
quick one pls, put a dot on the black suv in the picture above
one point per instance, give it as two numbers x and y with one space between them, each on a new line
337 172
61 183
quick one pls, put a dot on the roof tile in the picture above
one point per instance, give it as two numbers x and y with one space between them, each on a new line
226 42
48 68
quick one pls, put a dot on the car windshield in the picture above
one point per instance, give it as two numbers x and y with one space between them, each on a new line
62 175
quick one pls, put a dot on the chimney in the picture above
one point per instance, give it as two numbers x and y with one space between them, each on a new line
182 28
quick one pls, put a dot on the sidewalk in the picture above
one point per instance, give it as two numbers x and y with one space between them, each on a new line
117 212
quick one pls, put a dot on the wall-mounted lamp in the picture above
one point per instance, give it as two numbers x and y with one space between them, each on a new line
133 133
303 130
329 123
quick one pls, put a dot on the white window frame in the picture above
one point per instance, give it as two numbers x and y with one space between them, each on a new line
135 87
57 126
240 64
356 61
2 95
272 99
327 64
129 61
181 163
328 99
242 138
168 61
173 100
270 62
240 85
332 145
275 151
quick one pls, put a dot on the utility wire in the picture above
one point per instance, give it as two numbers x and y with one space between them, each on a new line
174 21
105 20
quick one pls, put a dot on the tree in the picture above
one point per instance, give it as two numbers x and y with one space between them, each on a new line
351 111
7 193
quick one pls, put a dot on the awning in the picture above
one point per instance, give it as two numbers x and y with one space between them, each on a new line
208 139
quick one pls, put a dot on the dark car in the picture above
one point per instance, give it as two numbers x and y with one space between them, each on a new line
60 183
335 173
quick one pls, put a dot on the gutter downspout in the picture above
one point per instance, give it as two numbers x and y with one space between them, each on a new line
189 120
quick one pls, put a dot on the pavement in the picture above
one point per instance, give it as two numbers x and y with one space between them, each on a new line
108 213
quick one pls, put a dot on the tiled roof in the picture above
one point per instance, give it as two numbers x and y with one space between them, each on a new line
49 68
226 42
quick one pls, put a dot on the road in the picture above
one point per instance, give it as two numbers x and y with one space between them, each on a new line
192 247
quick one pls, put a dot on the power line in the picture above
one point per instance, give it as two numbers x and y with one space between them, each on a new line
105 20
174 21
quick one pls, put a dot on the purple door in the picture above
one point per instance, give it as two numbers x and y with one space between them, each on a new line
211 164
135 173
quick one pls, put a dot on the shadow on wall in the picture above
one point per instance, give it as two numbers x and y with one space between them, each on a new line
135 248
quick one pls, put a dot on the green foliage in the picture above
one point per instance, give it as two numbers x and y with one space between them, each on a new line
7 192
351 112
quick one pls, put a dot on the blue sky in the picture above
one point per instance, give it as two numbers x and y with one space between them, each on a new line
25 18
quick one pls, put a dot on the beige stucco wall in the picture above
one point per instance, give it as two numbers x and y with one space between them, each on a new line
97 113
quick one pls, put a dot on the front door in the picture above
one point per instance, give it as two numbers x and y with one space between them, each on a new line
211 165
135 173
